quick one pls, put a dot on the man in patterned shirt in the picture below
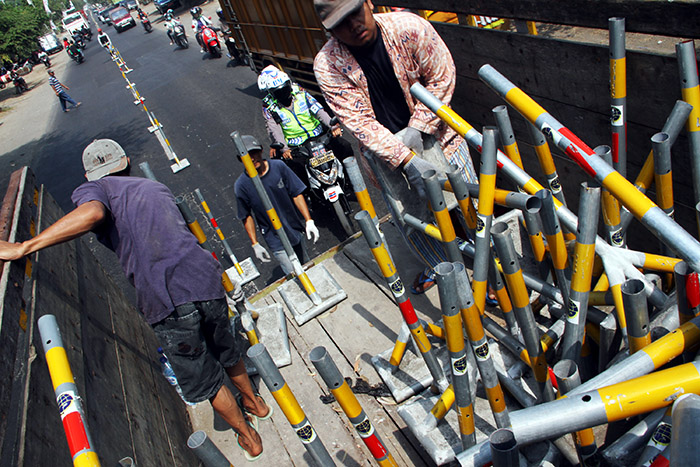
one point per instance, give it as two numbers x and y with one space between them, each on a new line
60 90
365 72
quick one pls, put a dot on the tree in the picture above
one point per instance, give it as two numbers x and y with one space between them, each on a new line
20 27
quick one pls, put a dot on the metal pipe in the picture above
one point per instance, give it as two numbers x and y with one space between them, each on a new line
611 206
477 338
505 131
215 226
509 199
649 214
442 215
399 347
504 302
673 126
521 306
616 268
504 448
352 169
618 452
544 156
446 279
690 91
618 94
147 172
606 341
207 452
568 377
584 256
70 404
274 219
348 402
459 188
687 292
658 442
388 270
279 389
482 242
555 240
663 178
637 314
686 422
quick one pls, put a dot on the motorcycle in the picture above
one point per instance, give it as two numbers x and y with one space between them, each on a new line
179 36
46 60
77 55
326 177
146 24
211 41
78 39
19 82
86 33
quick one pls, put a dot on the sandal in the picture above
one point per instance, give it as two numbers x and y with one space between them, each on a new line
248 456
422 283
255 418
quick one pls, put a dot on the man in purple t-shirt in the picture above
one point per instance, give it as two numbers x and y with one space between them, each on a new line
178 284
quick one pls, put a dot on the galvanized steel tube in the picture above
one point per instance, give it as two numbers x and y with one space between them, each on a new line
442 215
544 156
205 449
504 448
279 389
505 131
637 314
555 239
686 426
687 292
463 196
611 206
447 288
618 94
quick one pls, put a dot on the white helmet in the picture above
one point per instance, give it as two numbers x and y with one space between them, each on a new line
272 78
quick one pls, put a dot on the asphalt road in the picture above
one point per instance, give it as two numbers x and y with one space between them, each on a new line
199 101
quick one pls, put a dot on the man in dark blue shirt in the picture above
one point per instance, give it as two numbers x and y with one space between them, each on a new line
178 284
284 189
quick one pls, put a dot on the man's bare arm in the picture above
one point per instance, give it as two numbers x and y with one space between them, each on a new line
74 224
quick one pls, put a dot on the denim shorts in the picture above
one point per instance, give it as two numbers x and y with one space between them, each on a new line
198 340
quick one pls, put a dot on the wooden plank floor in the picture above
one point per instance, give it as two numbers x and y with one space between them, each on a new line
363 325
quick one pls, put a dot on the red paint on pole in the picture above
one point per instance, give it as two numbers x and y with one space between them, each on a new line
660 461
213 223
692 290
573 151
75 433
615 147
409 314
552 378
375 446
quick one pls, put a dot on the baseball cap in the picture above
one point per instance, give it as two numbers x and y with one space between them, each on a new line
332 12
103 157
250 143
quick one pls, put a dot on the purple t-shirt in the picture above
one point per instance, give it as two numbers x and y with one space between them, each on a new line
158 253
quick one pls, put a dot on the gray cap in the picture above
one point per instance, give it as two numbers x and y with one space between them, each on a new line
250 143
103 157
332 12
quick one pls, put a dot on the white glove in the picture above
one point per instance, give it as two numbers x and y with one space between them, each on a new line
413 139
261 253
414 170
311 230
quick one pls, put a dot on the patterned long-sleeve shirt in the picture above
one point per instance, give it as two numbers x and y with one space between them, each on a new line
417 54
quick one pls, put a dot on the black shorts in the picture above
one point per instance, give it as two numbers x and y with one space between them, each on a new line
198 340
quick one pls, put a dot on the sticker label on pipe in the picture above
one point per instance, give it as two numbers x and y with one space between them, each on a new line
550 133
67 403
555 185
617 116
482 351
572 313
306 433
459 365
617 238
365 428
397 288
480 226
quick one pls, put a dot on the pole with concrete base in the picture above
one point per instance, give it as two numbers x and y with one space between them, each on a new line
388 270
274 219
348 402
279 389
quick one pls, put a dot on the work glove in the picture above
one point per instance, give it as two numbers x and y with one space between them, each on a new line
413 139
414 170
261 253
311 230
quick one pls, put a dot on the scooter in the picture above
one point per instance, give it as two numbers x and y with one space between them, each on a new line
46 60
211 41
19 82
179 36
146 24
326 177
77 56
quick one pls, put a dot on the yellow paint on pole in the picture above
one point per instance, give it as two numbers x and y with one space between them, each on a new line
524 104
618 78
274 219
582 270
616 290
636 202
671 345
347 400
443 405
386 265
664 191
472 323
445 225
455 335
196 229
306 283
59 368
365 203
86 459
397 353
289 405
496 398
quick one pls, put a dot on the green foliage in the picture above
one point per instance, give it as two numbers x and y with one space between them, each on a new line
20 26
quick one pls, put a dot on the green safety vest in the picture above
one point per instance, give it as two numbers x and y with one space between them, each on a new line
298 124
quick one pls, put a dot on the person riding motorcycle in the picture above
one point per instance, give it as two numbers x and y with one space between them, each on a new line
75 52
104 40
293 116
170 23
199 22
228 36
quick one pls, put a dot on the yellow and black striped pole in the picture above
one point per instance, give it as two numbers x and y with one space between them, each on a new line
275 220
348 402
80 444
284 397
215 226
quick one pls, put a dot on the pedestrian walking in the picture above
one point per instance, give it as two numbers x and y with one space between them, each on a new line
60 90
178 284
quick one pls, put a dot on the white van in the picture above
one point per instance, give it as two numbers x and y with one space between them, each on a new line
73 21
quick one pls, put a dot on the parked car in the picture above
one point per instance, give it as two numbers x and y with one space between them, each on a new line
164 5
50 43
121 19
131 4
103 15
